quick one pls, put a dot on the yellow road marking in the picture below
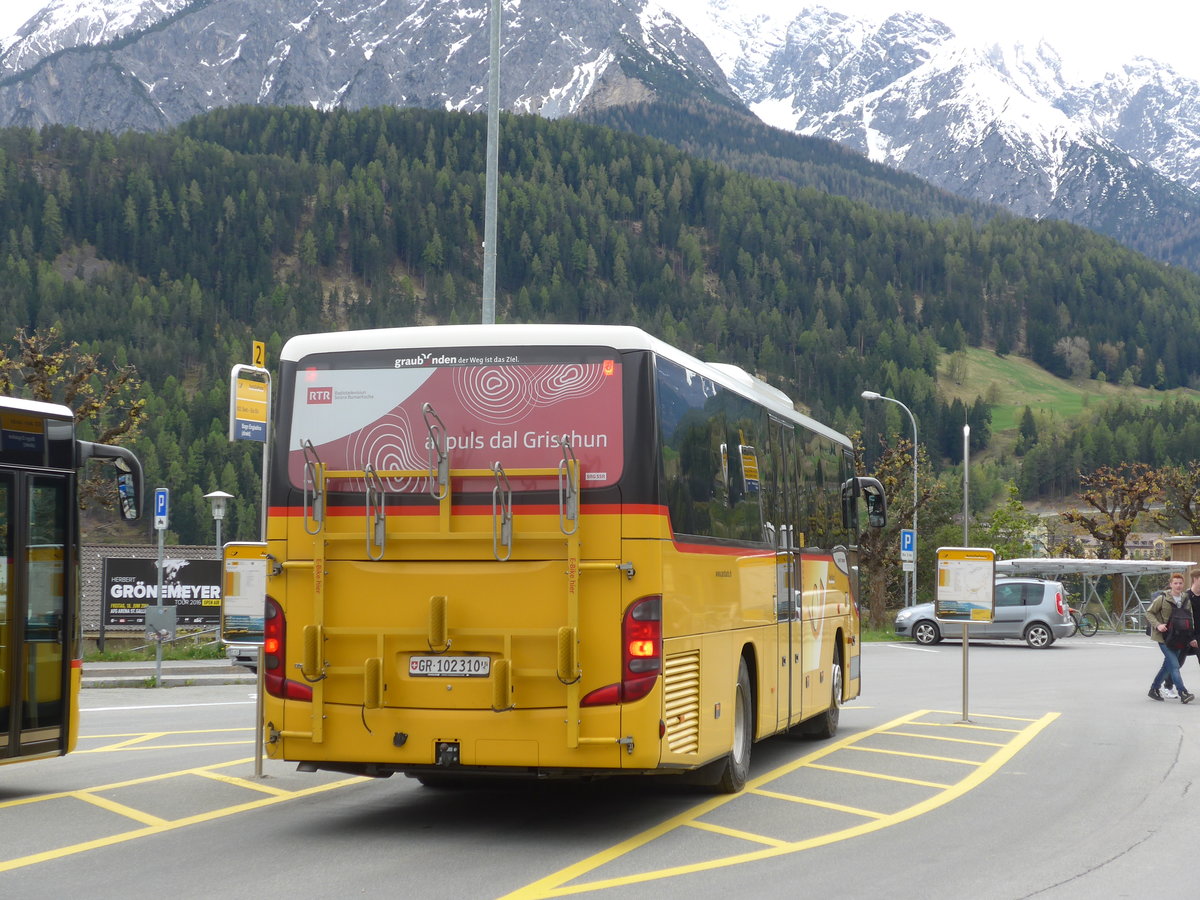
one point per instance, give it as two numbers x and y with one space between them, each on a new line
823 804
120 747
245 783
886 752
138 734
881 776
558 884
942 737
129 742
736 833
154 825
140 740
119 808
971 726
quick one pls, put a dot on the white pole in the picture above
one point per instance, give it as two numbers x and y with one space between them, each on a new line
966 641
875 395
966 485
491 187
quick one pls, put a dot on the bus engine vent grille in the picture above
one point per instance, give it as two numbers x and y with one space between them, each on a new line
681 702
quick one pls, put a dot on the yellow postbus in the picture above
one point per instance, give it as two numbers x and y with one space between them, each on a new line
553 551
40 662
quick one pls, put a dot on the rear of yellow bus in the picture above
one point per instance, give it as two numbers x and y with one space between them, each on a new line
466 557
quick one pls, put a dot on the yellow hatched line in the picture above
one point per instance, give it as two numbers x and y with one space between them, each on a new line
146 779
119 808
863 773
969 727
159 826
998 718
942 737
139 741
138 734
736 833
142 749
558 884
823 804
886 752
127 743
244 783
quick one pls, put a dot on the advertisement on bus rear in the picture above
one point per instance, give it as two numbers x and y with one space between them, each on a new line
517 407
192 586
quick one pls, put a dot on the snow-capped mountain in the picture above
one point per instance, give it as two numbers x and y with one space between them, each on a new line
1000 124
61 24
558 57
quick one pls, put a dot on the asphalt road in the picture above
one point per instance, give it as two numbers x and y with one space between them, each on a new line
1065 781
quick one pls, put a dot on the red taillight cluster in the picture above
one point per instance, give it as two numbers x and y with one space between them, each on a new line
274 655
1058 602
641 655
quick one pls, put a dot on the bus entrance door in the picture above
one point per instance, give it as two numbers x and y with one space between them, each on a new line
34 631
6 604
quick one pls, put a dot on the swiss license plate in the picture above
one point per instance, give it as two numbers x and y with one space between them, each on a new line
450 666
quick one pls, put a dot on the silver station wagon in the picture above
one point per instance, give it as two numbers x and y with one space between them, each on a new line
1030 609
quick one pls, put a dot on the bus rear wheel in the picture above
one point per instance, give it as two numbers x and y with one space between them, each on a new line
737 763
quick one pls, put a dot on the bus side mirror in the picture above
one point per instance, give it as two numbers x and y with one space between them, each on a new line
128 492
872 491
129 474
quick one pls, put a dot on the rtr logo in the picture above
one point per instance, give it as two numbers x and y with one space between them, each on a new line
320 395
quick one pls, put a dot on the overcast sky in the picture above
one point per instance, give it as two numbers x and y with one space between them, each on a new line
1096 36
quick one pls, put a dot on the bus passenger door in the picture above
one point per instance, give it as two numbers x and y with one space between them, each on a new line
787 593
816 591
34 601
7 684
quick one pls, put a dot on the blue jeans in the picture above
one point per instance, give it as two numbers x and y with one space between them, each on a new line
1169 669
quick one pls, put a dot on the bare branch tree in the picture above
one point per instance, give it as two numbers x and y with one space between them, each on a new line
1119 494
1180 490
42 366
878 547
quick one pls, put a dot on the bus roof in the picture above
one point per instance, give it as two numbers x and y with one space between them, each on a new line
619 337
36 407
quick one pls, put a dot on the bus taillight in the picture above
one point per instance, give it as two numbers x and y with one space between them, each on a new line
642 639
274 655
641 655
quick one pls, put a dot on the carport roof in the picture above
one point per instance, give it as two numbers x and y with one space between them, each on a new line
1067 566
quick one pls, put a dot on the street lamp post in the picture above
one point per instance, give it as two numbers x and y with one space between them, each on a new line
875 395
217 499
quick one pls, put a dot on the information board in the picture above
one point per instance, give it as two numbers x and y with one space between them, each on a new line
966 584
243 610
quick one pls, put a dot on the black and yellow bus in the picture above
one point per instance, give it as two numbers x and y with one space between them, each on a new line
550 551
40 661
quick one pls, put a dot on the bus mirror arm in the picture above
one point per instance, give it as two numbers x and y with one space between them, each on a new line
129 474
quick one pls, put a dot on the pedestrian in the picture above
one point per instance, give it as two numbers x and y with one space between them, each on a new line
1193 597
1171 627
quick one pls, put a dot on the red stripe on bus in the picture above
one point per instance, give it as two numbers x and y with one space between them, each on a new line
612 509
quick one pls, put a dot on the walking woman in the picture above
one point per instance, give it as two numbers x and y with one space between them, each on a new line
1171 626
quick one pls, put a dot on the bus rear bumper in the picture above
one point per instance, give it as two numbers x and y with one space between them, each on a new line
533 742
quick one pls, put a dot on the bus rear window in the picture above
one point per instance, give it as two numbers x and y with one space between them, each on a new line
508 405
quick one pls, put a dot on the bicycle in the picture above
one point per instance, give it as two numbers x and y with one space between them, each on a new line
1084 623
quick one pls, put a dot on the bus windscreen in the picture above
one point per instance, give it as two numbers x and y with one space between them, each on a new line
512 405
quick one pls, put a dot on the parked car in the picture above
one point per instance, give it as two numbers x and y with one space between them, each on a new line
243 655
1031 609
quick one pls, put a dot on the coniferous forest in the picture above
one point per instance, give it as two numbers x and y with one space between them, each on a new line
173 251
